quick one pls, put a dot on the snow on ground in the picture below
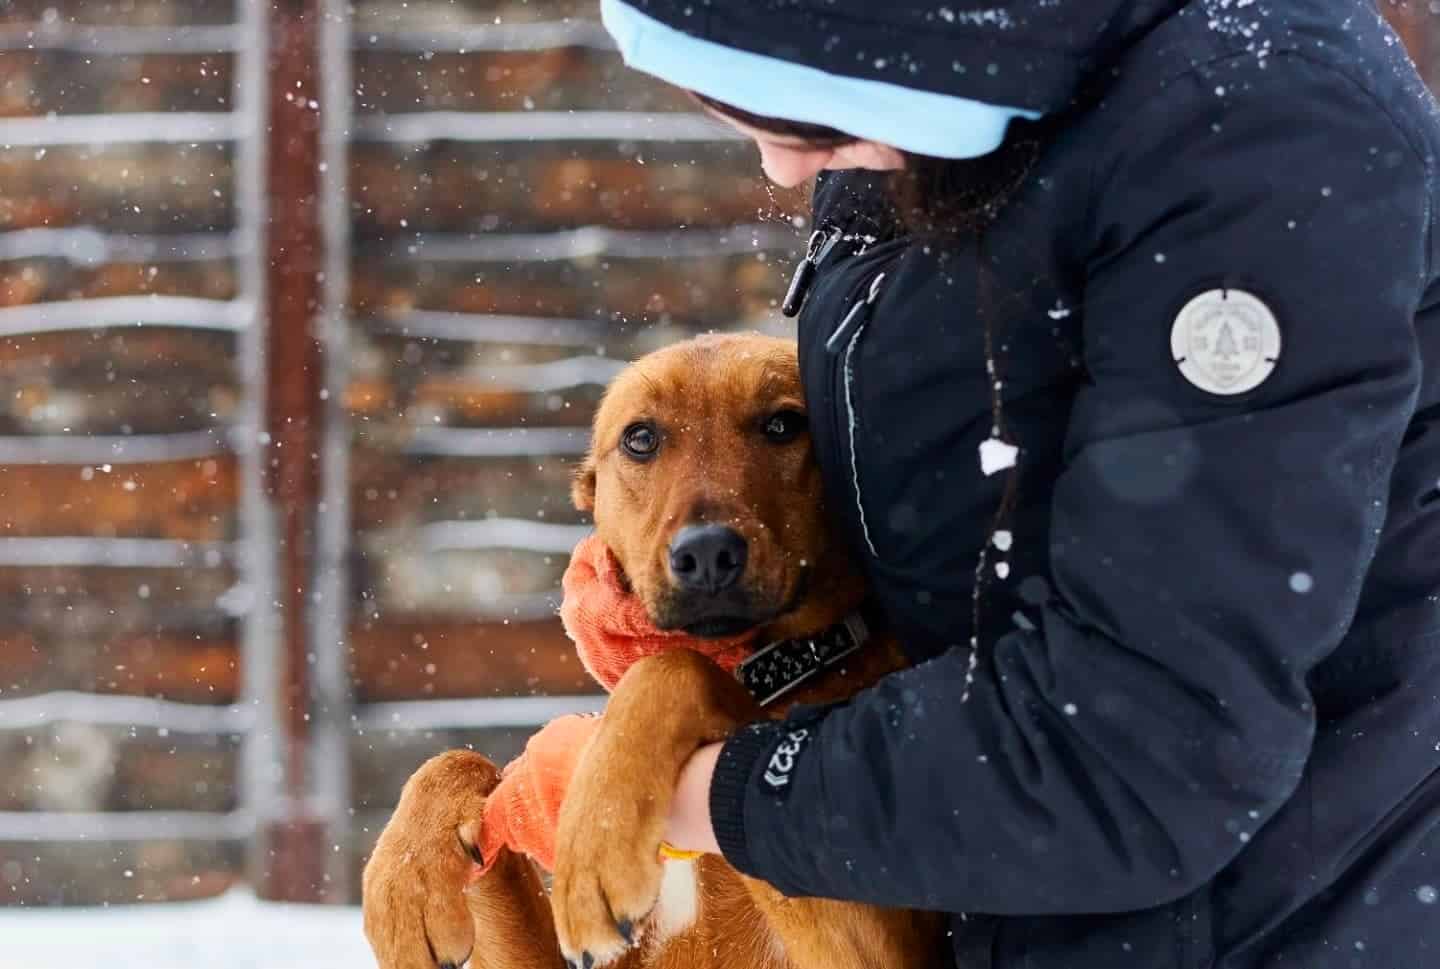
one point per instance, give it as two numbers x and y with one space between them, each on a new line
234 931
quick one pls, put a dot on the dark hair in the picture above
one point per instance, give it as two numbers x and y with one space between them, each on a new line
929 194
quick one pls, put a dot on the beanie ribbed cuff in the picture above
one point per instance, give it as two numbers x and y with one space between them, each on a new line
883 111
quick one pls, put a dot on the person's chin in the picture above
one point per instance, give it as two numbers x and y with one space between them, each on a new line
789 181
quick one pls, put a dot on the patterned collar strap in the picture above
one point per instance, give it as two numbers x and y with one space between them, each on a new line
781 666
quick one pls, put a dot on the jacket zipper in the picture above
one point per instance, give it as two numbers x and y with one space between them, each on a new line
833 342
822 240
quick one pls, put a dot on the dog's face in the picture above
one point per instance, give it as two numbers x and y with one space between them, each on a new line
703 482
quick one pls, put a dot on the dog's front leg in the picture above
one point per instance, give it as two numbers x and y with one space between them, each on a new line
424 905
608 868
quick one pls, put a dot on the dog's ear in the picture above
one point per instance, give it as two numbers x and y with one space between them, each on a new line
582 488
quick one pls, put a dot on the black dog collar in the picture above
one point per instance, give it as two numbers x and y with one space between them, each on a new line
778 668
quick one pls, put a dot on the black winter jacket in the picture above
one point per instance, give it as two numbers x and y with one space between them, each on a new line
1203 724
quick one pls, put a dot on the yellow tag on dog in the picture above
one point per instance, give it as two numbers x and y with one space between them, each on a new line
670 853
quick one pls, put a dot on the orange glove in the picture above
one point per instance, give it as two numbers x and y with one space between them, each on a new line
522 811
610 626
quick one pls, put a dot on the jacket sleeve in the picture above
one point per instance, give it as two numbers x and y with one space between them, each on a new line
1206 551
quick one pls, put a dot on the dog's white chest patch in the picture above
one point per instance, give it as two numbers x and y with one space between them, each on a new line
679 903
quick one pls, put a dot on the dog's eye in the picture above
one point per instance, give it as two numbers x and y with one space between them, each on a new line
784 426
640 441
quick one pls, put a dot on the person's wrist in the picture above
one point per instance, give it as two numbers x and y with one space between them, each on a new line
689 827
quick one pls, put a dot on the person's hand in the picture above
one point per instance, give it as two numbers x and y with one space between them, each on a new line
522 811
689 828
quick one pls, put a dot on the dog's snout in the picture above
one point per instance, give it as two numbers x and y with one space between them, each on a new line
707 558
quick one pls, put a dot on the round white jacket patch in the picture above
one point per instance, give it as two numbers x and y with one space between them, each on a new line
1226 341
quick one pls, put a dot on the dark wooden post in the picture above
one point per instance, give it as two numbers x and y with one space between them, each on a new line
295 846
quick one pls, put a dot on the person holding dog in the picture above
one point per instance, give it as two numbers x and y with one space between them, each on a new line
1120 342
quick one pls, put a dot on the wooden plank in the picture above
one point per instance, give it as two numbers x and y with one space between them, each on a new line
29 281
391 490
77 618
418 659
100 873
184 500
137 13
411 659
73 767
192 669
571 78
704 292
467 401
35 82
527 187
379 16
127 187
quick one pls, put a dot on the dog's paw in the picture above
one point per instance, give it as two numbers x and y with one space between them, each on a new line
608 868
602 900
607 847
416 915
417 922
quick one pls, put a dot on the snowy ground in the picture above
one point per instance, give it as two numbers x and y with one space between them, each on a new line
231 932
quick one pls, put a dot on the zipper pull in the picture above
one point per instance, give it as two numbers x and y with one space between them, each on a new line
821 242
833 343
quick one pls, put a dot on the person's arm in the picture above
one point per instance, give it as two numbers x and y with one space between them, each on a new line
1206 551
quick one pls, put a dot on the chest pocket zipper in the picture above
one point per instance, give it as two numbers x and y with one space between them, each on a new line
861 306
822 240
854 323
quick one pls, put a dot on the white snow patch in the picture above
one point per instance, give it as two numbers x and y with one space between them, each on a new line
996 455
234 931
1002 539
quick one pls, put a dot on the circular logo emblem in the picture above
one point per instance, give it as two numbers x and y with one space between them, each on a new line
1225 341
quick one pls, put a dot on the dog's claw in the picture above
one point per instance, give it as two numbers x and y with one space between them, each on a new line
627 931
471 848
587 960
571 964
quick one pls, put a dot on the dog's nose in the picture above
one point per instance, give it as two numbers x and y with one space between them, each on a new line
707 558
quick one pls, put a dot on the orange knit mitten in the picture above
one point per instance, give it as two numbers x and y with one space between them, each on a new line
522 811
610 625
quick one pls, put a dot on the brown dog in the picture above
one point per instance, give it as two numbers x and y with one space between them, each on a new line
703 483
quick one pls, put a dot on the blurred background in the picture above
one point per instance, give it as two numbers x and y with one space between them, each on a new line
304 307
